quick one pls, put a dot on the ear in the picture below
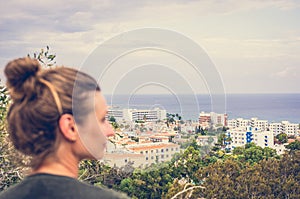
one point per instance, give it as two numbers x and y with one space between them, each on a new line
68 127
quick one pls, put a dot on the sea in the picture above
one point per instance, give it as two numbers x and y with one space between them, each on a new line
271 107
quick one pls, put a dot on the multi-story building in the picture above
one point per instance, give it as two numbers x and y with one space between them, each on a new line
118 114
155 152
286 127
289 128
243 135
208 119
121 159
261 124
204 119
276 128
206 140
239 122
132 115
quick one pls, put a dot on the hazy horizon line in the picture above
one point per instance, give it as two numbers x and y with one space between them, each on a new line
207 94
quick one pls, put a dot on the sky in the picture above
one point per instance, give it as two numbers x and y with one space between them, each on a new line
253 45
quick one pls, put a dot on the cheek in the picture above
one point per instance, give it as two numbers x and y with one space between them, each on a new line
93 138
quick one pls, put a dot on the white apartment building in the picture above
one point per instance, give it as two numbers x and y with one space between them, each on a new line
155 152
121 159
289 128
206 140
253 122
261 124
276 128
132 115
286 127
239 122
243 135
118 114
212 118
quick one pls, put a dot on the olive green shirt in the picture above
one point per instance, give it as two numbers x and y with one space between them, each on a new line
47 186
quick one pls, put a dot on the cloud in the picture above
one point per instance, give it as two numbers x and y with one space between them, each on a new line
253 48
287 72
73 28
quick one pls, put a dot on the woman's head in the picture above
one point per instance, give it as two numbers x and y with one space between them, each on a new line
40 99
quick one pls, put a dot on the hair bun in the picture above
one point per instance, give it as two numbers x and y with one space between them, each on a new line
21 76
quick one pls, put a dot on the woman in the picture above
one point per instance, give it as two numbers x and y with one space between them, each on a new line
57 117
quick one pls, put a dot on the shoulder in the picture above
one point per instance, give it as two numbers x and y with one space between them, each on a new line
95 192
52 186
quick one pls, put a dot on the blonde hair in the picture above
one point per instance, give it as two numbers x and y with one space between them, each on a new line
40 97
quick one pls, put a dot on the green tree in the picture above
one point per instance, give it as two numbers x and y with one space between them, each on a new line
148 183
45 57
222 140
13 163
289 173
219 179
186 164
112 119
293 146
282 138
252 153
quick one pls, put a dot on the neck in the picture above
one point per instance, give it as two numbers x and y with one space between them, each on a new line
59 164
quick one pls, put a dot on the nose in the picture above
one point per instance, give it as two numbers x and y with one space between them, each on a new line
108 130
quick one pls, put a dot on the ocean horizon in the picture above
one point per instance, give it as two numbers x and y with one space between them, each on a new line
272 107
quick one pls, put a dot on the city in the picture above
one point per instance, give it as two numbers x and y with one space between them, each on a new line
145 137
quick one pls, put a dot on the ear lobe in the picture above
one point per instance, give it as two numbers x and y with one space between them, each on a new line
68 127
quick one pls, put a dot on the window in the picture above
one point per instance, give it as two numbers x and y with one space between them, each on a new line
141 152
151 151
126 160
146 158
167 149
172 149
162 150
146 152
162 156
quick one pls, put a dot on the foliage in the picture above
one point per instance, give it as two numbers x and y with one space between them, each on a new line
282 138
171 118
13 164
294 145
229 177
253 154
113 122
249 172
97 173
45 57
149 183
112 119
